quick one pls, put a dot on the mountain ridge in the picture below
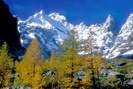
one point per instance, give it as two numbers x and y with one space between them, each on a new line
57 27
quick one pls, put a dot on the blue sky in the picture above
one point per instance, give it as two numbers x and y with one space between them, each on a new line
76 11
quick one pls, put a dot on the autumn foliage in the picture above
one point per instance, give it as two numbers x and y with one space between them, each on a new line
64 70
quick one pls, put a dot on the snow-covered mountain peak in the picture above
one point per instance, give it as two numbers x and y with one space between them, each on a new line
37 17
39 14
109 19
130 17
80 27
57 17
36 27
51 30
124 40
100 33
37 20
128 26
109 23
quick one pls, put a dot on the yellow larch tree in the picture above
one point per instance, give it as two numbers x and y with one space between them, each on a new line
30 68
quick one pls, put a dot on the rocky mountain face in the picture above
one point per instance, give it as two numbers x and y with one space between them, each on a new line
124 40
102 37
51 30
8 29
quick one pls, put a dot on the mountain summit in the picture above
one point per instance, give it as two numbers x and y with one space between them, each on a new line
124 40
51 30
